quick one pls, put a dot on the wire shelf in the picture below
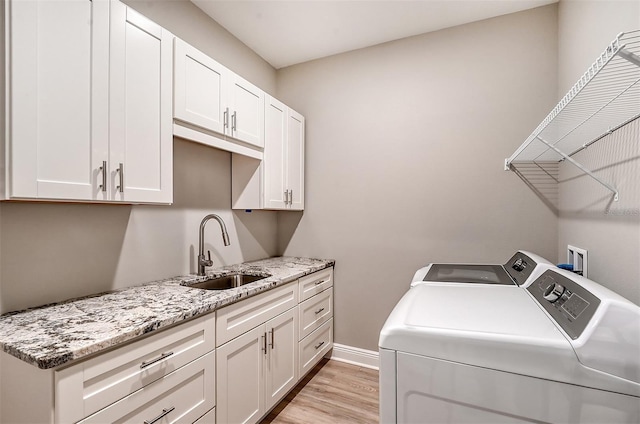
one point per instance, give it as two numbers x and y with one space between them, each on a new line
606 98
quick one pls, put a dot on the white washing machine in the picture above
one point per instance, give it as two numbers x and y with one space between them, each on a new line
518 270
561 350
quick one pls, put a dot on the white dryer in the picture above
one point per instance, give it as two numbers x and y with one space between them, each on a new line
562 349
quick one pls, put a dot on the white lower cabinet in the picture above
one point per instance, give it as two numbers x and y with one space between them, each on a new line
257 369
316 318
181 396
282 356
230 367
171 372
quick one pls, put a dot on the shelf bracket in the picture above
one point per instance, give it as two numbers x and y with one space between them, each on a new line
631 57
582 168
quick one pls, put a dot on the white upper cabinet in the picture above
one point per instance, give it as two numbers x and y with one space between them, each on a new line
246 106
200 95
274 168
214 106
141 154
88 103
57 98
294 163
278 181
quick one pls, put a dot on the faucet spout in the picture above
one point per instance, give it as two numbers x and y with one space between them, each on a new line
202 260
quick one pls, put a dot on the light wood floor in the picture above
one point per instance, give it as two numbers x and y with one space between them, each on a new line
332 393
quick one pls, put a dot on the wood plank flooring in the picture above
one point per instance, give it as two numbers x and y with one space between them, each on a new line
332 393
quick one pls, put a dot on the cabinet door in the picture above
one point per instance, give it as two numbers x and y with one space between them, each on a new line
58 98
295 159
141 140
246 102
200 90
282 363
240 378
275 135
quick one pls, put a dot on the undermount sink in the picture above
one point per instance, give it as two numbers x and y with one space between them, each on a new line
227 281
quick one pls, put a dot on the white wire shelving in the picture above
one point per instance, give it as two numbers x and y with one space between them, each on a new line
606 98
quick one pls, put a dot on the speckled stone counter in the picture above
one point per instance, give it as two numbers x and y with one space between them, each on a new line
53 335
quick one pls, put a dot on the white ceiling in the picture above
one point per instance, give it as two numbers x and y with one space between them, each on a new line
293 31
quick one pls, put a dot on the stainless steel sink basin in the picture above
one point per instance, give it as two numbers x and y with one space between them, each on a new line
227 281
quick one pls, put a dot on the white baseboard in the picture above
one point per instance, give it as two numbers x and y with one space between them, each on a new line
356 356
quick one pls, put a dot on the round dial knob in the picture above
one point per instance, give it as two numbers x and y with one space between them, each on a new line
518 265
553 292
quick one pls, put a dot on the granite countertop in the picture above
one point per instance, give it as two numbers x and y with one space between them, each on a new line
56 334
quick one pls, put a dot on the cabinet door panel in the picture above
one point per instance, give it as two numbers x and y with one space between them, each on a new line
282 364
240 374
141 130
274 154
295 159
59 57
200 95
247 103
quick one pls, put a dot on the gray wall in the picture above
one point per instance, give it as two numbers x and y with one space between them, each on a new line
610 231
53 252
405 152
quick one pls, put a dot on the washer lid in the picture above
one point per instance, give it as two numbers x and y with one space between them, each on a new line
463 273
497 327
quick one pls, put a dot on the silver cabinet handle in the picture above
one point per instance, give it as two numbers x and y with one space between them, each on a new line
319 310
165 412
103 168
272 337
120 172
160 358
233 121
264 343
317 283
225 121
286 197
318 346
290 197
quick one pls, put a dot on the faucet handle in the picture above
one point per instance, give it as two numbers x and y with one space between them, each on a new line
208 262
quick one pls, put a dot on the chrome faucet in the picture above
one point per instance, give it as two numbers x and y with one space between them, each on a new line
202 260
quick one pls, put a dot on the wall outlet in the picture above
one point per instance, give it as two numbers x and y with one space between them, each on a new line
578 258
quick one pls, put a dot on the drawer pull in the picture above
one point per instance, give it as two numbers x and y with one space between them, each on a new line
317 283
318 346
319 310
160 358
165 412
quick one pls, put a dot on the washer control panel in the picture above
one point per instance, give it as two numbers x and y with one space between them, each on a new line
520 267
565 300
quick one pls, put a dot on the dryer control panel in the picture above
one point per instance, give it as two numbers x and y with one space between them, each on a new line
571 305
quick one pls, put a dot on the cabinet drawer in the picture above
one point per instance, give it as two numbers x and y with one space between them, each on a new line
208 418
315 311
181 396
313 284
315 346
89 386
236 319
